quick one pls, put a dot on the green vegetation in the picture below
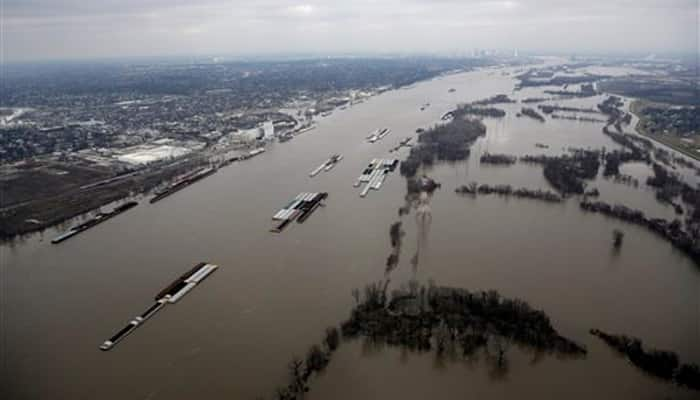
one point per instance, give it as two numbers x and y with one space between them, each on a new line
680 121
432 317
677 128
587 90
497 99
449 142
672 231
316 360
669 186
491 112
396 234
533 78
659 363
507 191
548 109
618 236
567 173
575 118
530 112
635 147
535 100
498 159
662 89
426 318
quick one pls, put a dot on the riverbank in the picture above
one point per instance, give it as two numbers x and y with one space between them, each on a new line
48 211
674 143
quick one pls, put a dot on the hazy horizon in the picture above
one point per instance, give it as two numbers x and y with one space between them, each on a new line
71 29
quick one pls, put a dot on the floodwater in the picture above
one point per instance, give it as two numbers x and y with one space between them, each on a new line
274 294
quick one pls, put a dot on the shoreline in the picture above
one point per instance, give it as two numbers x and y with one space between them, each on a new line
123 190
634 109
77 204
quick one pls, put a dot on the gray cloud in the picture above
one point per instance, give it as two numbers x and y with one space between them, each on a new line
44 29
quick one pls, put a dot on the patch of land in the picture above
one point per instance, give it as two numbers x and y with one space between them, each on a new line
449 142
453 322
44 195
663 89
33 180
679 129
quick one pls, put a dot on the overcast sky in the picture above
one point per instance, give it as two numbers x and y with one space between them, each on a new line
64 29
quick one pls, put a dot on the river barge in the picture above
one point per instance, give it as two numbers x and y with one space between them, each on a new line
377 134
256 152
299 209
182 183
327 165
304 129
374 174
97 219
171 294
403 143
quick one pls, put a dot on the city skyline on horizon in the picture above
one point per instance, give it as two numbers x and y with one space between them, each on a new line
69 29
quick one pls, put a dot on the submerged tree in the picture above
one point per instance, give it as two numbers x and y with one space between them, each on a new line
618 236
332 339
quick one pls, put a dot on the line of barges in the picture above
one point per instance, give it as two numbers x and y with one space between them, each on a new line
171 294
97 219
378 134
327 165
299 209
405 142
374 174
182 183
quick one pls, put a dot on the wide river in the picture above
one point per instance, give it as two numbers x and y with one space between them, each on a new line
274 294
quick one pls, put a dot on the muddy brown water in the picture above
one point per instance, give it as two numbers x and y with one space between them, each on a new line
274 294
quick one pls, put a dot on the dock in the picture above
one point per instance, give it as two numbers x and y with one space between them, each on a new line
170 295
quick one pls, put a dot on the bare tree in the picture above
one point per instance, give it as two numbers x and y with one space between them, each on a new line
332 339
298 384
618 236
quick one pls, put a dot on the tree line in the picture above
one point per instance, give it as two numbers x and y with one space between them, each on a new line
660 363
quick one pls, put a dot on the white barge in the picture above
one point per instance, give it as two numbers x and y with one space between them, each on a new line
327 165
299 209
377 134
171 294
375 174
